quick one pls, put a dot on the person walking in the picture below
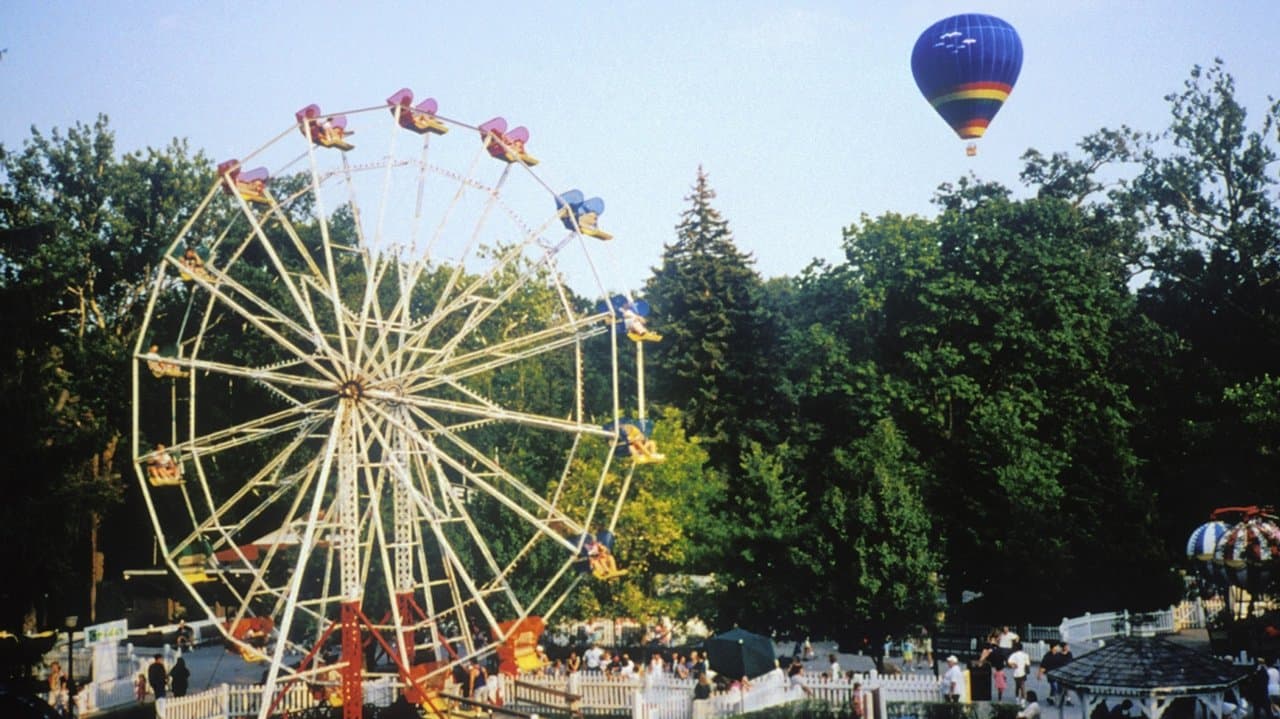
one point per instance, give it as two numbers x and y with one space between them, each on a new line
999 680
1020 662
158 677
1256 691
1051 661
926 650
953 679
178 677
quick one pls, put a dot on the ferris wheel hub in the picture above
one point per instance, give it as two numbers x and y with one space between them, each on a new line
351 389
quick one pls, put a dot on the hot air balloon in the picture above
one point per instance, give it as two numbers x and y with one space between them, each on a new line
1201 546
966 66
1250 551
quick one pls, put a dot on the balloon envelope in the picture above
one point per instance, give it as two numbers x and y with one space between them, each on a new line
1250 551
966 66
1203 542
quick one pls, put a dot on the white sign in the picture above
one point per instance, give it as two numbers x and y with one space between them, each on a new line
104 633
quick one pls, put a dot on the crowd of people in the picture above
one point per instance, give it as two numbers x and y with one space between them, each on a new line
600 661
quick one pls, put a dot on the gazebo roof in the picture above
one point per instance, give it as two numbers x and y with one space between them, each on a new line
1145 666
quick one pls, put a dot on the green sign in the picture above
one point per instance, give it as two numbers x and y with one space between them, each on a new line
103 633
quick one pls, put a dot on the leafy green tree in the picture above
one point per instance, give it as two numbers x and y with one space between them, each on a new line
714 360
662 531
82 230
1208 197
992 338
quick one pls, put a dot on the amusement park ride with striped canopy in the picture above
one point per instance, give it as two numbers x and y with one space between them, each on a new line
357 370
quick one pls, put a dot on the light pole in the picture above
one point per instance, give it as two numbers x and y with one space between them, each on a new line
71 622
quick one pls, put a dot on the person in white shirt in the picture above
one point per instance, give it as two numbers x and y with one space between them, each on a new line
953 679
835 666
592 658
1032 709
1007 638
1020 661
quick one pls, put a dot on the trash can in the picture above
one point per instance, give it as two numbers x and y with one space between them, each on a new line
980 682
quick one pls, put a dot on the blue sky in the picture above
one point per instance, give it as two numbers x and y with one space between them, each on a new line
804 114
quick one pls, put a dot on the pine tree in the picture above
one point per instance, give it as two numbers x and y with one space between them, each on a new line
706 300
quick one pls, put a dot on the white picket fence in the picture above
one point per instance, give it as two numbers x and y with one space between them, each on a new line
666 697
226 701
101 696
1107 625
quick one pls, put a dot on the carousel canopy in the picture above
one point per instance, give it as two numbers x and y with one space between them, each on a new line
1148 666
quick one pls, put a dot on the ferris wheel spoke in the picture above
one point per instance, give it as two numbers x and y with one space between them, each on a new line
394 475
538 421
485 307
458 571
269 375
460 263
435 458
290 419
456 565
370 317
264 323
324 477
497 356
291 287
481 547
330 265
272 476
553 515
477 305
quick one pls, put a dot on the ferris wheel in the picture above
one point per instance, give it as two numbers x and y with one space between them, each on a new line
378 409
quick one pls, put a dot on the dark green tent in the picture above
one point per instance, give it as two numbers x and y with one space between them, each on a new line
739 653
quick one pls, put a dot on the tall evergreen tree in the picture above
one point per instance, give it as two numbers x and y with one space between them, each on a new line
714 361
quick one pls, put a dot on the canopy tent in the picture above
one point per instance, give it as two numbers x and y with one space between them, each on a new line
1152 673
739 653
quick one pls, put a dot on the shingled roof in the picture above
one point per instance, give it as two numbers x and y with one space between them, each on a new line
1143 666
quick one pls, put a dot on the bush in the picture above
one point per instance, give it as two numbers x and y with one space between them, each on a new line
804 710
931 710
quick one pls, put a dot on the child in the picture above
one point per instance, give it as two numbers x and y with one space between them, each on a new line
997 674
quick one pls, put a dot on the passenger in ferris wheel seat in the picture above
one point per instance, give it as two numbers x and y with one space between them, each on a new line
250 185
162 468
420 118
637 330
588 213
643 449
603 565
327 131
159 367
253 186
504 145
193 266
331 132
